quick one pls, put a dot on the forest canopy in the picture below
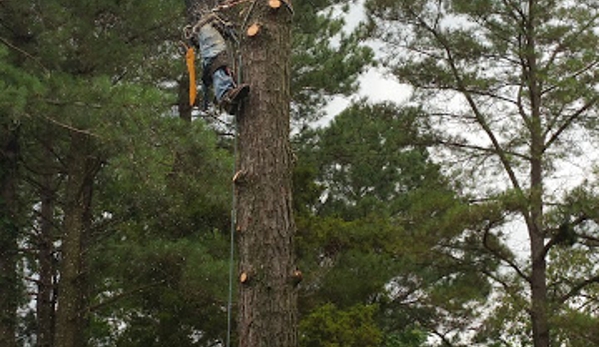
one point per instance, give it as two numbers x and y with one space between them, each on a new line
464 216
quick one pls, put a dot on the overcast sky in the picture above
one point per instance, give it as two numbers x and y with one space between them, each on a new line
374 84
378 86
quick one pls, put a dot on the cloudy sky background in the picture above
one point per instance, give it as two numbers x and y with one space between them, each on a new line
378 86
374 83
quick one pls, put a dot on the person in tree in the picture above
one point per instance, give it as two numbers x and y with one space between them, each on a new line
208 35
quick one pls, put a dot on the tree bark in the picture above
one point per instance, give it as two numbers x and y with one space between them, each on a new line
45 305
73 285
9 292
539 304
183 106
267 298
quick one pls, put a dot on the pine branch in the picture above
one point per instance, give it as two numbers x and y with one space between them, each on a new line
569 122
577 288
503 258
66 126
550 62
123 295
558 236
10 45
480 148
463 89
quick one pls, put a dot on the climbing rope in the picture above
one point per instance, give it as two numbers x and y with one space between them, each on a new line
232 240
229 4
188 34
233 209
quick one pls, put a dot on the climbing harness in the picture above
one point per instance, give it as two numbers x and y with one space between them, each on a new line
227 29
222 60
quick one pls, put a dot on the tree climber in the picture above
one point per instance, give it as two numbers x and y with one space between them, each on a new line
208 35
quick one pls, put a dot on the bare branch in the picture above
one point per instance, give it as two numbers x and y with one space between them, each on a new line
442 336
503 258
577 288
10 45
569 122
590 240
480 148
123 295
560 46
66 126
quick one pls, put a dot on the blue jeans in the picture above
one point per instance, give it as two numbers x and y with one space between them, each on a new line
212 43
223 82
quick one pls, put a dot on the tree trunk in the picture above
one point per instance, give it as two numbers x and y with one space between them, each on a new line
538 279
45 305
539 306
267 298
183 106
73 285
8 236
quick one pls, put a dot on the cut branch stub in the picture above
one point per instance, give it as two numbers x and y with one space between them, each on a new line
244 278
296 277
239 176
274 3
253 29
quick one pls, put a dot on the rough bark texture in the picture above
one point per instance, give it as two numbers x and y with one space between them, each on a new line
8 236
45 305
73 286
539 306
183 99
267 302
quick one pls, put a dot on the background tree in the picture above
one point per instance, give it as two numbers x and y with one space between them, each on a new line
105 163
513 87
91 60
328 326
380 230
12 102
326 59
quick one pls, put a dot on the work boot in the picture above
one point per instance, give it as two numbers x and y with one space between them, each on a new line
231 99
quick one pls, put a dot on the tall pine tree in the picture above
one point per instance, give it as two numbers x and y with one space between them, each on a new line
513 86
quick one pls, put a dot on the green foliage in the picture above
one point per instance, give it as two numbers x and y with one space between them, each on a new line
332 327
382 225
157 253
498 79
409 338
17 88
371 158
576 327
326 60
167 204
